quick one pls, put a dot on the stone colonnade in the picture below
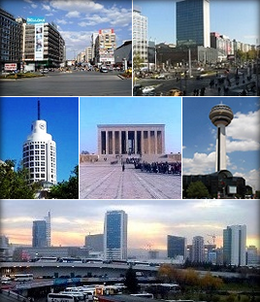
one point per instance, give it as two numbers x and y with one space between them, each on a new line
131 139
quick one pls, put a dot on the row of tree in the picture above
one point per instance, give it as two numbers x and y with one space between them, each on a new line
14 184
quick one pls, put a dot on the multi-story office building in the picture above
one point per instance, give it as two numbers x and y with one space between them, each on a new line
10 39
48 228
234 245
95 243
42 43
198 249
39 154
105 45
193 23
176 247
252 255
39 233
140 33
115 235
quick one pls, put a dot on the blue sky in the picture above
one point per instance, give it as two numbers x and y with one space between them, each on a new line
237 19
61 115
242 137
123 110
78 19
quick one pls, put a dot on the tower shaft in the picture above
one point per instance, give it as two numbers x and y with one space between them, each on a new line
221 163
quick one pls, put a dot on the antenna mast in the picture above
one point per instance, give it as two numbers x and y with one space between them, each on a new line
39 110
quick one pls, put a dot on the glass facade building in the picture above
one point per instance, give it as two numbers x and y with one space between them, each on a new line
39 233
193 23
176 246
115 235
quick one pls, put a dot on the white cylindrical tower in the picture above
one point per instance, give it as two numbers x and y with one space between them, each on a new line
39 154
221 116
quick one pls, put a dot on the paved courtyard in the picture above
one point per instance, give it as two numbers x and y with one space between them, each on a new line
110 182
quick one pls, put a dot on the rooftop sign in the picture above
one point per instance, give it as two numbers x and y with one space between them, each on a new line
35 20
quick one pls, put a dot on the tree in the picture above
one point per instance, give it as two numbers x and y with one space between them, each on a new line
197 189
13 183
137 62
66 189
168 273
131 281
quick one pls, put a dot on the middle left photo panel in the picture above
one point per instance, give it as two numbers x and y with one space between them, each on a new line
40 147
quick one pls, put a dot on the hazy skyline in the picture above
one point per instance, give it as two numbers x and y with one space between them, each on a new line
149 222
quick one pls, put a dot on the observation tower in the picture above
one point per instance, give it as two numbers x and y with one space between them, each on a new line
221 116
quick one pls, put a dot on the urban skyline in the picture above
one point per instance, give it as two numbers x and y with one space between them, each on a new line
148 223
78 20
163 13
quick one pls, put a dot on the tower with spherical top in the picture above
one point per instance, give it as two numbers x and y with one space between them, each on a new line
221 116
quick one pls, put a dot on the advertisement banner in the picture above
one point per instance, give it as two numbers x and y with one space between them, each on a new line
38 53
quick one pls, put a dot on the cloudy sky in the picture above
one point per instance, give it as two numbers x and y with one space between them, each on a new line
225 19
149 222
242 137
77 20
128 110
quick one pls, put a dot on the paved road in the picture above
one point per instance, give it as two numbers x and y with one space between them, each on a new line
109 182
69 84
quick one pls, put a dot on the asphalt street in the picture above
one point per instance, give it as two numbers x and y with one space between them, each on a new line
77 83
110 182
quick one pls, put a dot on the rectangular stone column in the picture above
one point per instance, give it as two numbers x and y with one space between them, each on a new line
107 143
135 142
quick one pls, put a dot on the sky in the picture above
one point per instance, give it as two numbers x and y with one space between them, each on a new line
76 20
242 137
61 115
237 19
149 221
128 110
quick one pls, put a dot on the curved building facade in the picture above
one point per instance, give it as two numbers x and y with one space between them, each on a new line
39 154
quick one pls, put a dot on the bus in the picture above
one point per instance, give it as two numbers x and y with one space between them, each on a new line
48 259
144 295
58 297
23 277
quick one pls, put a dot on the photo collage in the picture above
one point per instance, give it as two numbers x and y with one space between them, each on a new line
129 159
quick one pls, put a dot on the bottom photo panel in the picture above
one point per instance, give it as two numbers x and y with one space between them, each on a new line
132 250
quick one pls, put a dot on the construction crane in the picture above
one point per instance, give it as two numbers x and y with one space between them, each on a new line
213 238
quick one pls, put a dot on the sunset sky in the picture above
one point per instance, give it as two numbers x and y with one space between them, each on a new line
149 221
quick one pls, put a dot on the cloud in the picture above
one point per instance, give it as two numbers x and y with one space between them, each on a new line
46 7
73 14
201 163
252 178
243 133
87 6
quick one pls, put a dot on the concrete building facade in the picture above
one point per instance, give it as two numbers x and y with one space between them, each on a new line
234 245
133 139
105 45
39 154
140 35
198 249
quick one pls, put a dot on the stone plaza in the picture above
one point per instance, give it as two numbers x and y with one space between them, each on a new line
106 181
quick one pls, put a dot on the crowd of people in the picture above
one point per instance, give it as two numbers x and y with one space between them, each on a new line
160 167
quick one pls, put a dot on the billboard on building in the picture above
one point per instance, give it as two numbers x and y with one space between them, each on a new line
35 20
38 51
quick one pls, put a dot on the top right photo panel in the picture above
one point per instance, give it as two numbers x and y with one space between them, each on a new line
196 48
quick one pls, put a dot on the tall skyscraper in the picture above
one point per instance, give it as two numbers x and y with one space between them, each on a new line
221 116
48 228
198 249
176 246
140 33
39 233
115 235
234 245
39 153
193 22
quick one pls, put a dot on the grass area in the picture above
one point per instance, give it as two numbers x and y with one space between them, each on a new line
21 75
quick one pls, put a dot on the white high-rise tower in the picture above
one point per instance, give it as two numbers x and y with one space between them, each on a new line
221 116
39 153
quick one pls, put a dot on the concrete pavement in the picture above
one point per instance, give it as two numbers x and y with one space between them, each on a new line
110 182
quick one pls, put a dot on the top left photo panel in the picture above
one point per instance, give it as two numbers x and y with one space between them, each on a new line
66 48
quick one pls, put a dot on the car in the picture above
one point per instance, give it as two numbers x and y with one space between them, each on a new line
103 69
